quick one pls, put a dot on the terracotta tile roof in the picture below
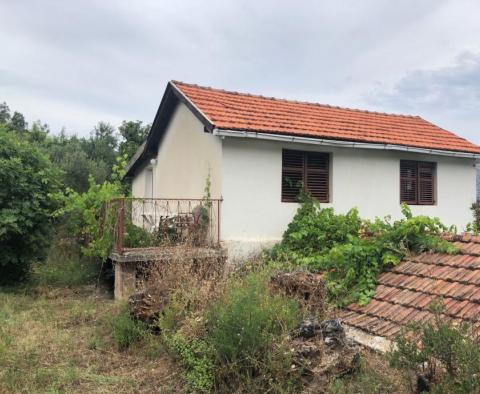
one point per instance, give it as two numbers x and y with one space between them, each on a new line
239 111
405 292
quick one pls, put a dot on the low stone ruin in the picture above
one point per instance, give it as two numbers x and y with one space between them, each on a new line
322 352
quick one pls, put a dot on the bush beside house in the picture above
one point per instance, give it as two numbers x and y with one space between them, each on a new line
28 197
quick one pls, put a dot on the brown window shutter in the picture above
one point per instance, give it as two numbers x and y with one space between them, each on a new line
317 175
417 182
426 183
293 163
408 182
308 169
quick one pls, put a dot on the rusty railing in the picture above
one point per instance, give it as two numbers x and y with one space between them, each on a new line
157 222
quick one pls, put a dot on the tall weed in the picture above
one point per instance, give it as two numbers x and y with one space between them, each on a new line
448 356
243 328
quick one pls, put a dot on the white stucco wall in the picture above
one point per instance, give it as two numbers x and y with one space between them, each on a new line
253 214
184 159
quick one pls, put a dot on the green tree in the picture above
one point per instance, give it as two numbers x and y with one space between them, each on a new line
134 133
17 122
102 144
4 112
29 183
67 153
38 132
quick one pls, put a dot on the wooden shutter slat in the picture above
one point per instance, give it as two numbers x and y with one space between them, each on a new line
408 182
316 175
310 169
417 182
292 174
426 183
291 185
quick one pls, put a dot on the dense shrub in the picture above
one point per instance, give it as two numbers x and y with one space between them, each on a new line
313 231
125 330
354 251
196 356
238 341
29 183
447 356
88 219
243 326
244 322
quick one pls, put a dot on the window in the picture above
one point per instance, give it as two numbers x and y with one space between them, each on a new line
417 182
310 169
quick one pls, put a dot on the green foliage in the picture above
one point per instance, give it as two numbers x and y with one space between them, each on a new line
65 267
125 330
29 183
238 342
68 153
134 134
71 273
4 113
474 226
196 356
102 144
18 122
314 230
439 341
354 251
87 216
244 323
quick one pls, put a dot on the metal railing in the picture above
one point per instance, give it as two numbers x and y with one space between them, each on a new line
157 222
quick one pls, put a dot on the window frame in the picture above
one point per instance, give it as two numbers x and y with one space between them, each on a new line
304 171
418 181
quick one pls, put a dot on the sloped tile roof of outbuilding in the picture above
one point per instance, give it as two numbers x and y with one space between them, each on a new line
239 111
405 293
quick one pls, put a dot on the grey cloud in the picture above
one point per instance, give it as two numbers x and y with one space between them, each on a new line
449 94
71 62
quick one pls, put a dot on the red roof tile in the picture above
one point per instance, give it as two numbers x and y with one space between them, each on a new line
239 111
404 294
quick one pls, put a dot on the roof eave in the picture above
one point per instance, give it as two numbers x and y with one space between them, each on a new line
149 148
341 143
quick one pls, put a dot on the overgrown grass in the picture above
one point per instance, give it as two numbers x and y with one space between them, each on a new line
373 377
70 273
65 266
125 330
62 341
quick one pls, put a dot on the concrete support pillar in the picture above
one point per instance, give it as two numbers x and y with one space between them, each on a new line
124 280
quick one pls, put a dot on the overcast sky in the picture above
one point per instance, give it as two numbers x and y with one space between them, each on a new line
73 63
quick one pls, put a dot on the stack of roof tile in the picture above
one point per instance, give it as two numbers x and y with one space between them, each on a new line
405 292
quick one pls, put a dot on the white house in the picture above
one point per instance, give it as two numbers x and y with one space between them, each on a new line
258 150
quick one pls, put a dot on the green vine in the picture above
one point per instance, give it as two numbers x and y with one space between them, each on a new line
353 251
